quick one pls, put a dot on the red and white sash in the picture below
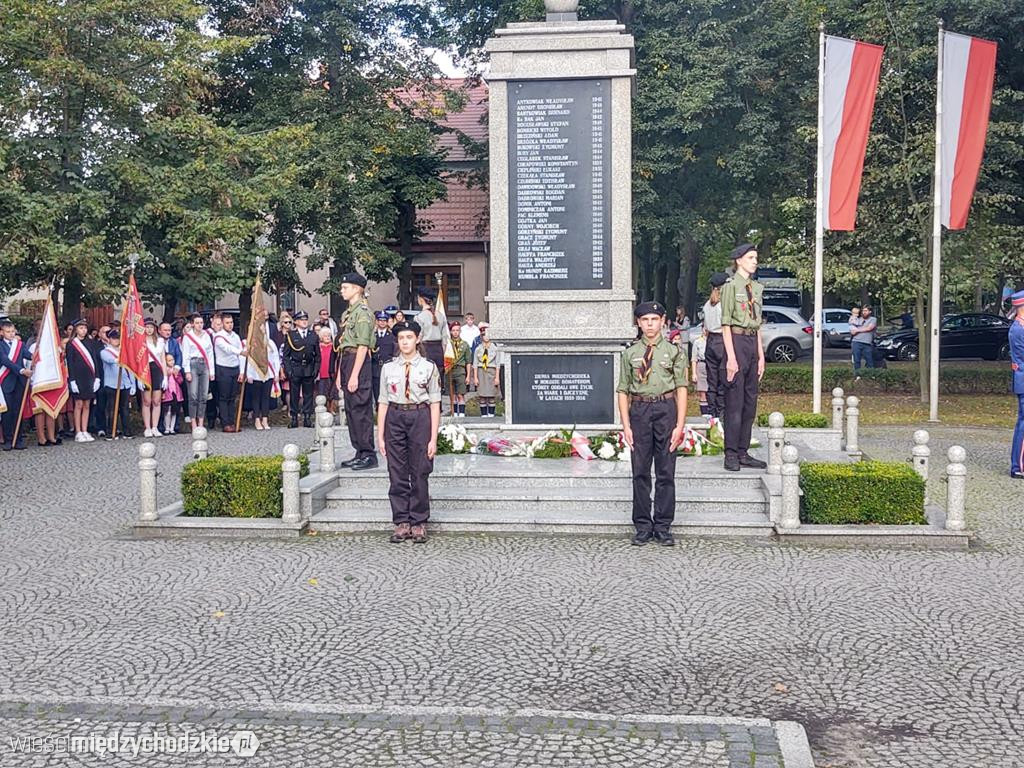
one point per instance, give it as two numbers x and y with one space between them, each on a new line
85 355
197 345
14 356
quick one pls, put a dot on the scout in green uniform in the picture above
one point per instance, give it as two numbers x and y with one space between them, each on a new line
743 366
460 370
652 406
356 341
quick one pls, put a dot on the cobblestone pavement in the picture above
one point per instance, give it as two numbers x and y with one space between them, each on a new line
888 657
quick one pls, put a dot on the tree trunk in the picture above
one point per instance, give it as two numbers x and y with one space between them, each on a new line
406 225
170 308
72 304
688 268
641 258
244 311
978 297
672 286
660 278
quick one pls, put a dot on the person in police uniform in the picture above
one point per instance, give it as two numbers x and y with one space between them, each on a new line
714 353
302 364
743 367
386 347
652 406
1017 365
356 342
408 417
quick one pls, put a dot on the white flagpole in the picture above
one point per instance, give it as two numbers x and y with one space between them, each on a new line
819 233
936 290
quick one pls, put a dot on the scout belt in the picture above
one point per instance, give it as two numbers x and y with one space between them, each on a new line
656 399
408 406
744 331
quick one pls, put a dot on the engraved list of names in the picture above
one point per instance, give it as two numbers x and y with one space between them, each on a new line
559 172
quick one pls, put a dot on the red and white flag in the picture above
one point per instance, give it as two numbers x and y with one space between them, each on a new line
968 73
49 376
850 79
134 356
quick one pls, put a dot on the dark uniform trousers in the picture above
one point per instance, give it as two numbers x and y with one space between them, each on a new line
358 404
714 359
740 396
10 417
227 391
407 433
300 397
652 425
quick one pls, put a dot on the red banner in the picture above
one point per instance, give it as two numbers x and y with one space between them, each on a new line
134 355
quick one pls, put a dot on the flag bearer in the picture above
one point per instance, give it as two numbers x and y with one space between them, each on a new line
652 406
408 416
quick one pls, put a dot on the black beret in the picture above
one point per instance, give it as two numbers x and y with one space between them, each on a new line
354 278
408 325
742 250
427 294
649 308
113 333
719 279
81 321
300 315
149 321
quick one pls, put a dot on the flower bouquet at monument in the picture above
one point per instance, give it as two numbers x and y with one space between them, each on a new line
454 438
551 445
610 446
501 446
696 444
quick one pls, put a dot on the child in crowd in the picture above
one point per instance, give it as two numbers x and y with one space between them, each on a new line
174 397
699 371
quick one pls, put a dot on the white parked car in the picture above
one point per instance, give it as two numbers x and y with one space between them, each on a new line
785 334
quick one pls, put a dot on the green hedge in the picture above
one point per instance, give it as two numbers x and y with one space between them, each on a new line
883 493
235 486
798 420
902 380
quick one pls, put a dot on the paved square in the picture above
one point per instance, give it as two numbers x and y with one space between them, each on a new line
349 651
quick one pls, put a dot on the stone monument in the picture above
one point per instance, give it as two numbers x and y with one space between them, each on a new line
561 296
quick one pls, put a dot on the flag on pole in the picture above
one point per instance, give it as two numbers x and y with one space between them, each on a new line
449 350
968 74
850 80
134 356
49 377
256 347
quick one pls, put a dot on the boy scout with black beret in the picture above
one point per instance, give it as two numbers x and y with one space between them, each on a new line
652 406
356 342
744 357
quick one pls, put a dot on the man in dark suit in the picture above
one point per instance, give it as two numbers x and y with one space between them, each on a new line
15 370
387 348
302 364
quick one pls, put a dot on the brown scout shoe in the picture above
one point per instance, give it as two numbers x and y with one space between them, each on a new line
419 534
401 533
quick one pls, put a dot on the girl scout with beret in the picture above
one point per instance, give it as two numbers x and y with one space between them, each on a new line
408 417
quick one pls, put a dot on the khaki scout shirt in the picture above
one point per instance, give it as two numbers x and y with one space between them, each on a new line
424 381
668 373
461 350
357 327
493 356
740 309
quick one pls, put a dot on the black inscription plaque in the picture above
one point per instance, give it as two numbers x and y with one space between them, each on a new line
562 389
559 171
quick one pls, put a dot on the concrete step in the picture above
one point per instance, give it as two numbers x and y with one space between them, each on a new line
555 505
443 479
377 517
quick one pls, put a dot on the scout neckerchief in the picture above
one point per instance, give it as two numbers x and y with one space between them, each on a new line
484 359
201 349
750 301
408 366
14 356
648 363
84 354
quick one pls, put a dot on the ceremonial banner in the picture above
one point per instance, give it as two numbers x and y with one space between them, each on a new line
968 74
449 351
850 79
49 376
256 347
134 352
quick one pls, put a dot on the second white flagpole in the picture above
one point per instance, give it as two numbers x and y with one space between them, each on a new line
819 232
935 299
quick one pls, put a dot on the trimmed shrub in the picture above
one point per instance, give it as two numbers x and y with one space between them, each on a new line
799 420
789 379
235 486
874 492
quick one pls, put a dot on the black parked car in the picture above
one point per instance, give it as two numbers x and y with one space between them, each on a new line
967 335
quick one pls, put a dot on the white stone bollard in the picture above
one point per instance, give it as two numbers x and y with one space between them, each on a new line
837 408
147 482
290 509
920 454
200 448
790 517
321 407
852 424
776 441
956 489
325 421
